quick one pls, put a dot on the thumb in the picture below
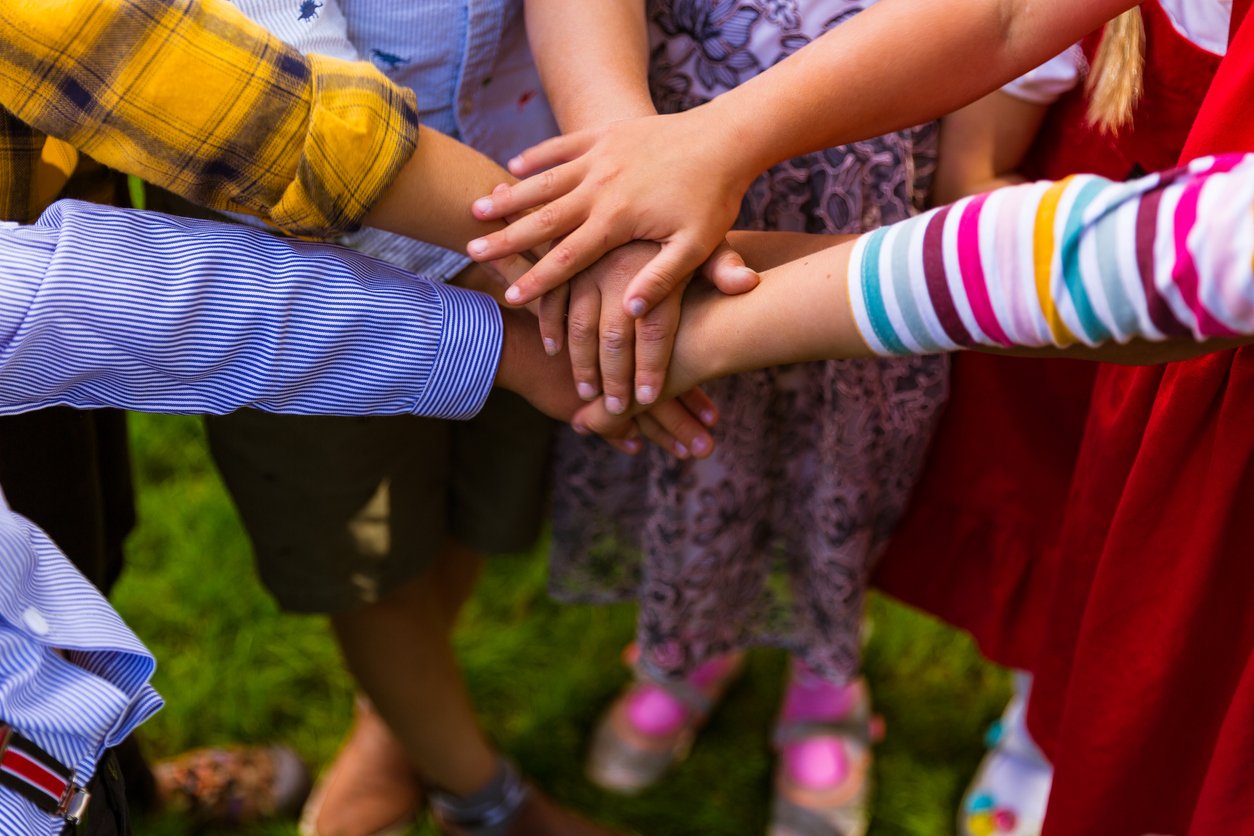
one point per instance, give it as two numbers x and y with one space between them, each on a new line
726 270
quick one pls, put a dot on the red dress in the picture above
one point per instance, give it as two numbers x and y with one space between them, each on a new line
975 545
1139 624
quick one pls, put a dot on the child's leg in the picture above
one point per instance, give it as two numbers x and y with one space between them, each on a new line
399 650
371 785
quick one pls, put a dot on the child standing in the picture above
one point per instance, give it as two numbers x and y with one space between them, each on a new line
771 539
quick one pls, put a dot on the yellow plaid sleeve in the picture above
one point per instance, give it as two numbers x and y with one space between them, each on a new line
192 96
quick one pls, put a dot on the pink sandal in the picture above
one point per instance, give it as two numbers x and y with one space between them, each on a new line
652 725
824 737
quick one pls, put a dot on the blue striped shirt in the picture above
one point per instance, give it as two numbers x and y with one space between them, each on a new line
71 706
112 307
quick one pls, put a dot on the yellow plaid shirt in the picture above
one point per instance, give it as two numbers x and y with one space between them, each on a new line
192 96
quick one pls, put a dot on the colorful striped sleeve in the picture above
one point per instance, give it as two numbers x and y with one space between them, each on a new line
111 307
1082 260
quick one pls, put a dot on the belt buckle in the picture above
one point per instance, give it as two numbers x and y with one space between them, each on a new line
73 806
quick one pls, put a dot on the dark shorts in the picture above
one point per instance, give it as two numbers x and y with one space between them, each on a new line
343 510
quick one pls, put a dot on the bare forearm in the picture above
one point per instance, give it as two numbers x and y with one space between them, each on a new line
955 52
763 250
431 196
593 59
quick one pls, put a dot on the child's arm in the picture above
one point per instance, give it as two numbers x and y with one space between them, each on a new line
1157 269
593 60
642 179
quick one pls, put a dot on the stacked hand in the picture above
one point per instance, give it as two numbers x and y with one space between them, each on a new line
634 180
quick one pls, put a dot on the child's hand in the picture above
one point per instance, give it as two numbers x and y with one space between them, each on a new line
639 179
678 425
609 351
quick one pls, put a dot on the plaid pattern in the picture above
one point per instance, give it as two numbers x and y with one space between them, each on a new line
194 97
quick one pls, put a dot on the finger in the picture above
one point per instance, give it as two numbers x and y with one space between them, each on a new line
565 259
595 419
655 338
553 309
507 200
551 152
509 269
582 331
533 229
676 420
673 264
699 404
726 270
617 356
653 430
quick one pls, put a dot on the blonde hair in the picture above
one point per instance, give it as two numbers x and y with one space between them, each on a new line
1114 82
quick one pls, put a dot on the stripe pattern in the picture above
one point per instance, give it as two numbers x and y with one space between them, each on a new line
1082 260
71 706
111 307
30 771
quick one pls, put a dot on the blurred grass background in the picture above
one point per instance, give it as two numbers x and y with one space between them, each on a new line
233 669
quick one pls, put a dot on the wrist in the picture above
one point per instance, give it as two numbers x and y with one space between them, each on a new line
743 151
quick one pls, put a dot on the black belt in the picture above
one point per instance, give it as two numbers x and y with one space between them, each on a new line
39 777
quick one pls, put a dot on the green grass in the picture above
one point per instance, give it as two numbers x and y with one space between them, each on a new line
232 668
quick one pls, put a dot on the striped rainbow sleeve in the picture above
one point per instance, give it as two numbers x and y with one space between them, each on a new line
1082 260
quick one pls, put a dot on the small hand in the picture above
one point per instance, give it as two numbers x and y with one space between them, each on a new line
678 425
611 353
639 179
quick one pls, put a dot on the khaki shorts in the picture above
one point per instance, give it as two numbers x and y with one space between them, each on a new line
343 510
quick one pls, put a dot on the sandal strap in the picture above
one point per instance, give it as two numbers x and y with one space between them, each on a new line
492 816
796 819
683 691
855 728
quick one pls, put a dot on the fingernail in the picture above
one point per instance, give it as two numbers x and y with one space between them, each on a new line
479 246
708 417
581 429
513 296
615 405
586 390
483 205
550 346
632 445
747 274
636 307
700 445
515 162
645 394
680 450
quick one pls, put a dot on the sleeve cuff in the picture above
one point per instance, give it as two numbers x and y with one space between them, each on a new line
470 351
362 131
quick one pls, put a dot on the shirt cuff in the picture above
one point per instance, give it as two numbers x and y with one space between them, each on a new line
362 131
469 353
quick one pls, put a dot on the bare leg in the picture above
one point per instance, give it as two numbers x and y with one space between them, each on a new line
399 649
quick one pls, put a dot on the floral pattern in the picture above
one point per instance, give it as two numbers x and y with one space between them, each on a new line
772 539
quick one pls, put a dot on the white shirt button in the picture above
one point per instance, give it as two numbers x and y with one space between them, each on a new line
35 621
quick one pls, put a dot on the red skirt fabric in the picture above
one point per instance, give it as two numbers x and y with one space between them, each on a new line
1137 618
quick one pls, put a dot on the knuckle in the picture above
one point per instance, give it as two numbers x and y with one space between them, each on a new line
614 340
548 181
562 255
546 217
581 330
654 331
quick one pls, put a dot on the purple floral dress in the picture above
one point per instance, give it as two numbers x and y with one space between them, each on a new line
772 539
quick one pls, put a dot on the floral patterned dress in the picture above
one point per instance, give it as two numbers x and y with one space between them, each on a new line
771 540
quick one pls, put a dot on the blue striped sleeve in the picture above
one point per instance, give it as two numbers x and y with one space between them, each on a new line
113 307
71 706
